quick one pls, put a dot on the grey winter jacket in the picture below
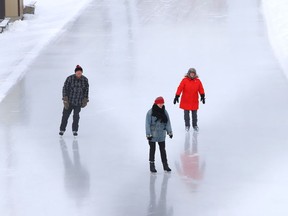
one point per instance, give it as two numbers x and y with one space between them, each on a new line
76 89
157 129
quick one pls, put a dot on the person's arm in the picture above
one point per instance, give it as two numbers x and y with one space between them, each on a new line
65 93
179 91
168 126
201 88
180 87
201 92
66 87
148 125
86 93
85 99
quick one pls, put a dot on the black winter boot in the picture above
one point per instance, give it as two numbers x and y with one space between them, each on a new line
152 167
166 167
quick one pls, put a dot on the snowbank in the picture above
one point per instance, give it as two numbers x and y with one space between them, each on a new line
275 13
25 39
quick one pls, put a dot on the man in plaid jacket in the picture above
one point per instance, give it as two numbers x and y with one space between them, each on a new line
75 96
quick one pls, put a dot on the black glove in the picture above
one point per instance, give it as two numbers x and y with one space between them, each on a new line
84 102
176 99
66 102
170 135
149 137
202 98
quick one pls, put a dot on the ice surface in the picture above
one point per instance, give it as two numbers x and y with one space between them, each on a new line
132 52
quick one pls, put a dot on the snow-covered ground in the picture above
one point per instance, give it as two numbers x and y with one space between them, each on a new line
133 51
276 17
25 39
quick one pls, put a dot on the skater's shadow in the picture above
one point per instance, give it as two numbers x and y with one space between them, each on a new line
76 178
159 208
192 168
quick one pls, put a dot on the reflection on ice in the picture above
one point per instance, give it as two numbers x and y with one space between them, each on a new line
159 208
191 169
11 114
77 181
12 107
9 190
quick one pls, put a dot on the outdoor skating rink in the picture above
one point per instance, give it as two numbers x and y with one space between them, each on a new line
133 52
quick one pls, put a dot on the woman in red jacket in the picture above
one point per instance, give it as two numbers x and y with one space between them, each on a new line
190 87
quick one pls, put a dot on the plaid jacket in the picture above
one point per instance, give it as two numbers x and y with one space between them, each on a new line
76 89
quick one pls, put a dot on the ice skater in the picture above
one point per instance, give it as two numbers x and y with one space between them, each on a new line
75 96
157 125
190 87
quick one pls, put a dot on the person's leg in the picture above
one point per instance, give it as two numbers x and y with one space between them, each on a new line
76 117
152 156
152 151
164 156
187 119
194 119
65 115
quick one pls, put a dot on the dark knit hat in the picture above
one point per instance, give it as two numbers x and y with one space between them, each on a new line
192 70
78 68
159 100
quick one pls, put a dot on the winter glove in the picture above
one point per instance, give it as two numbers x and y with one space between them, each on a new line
170 135
149 137
176 99
65 102
84 102
202 98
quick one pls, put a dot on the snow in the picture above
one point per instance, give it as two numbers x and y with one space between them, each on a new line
25 39
242 139
276 16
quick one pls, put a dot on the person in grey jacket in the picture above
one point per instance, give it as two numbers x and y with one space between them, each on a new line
75 96
157 125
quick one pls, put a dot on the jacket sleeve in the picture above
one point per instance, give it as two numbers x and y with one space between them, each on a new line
168 125
86 93
66 87
201 89
180 87
148 123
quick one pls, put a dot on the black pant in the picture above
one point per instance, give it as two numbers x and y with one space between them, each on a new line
187 117
65 115
162 151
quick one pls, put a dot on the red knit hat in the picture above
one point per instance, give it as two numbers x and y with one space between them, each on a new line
159 100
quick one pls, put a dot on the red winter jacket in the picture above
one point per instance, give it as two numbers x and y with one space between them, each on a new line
190 88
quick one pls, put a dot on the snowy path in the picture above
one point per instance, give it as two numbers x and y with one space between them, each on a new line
132 53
